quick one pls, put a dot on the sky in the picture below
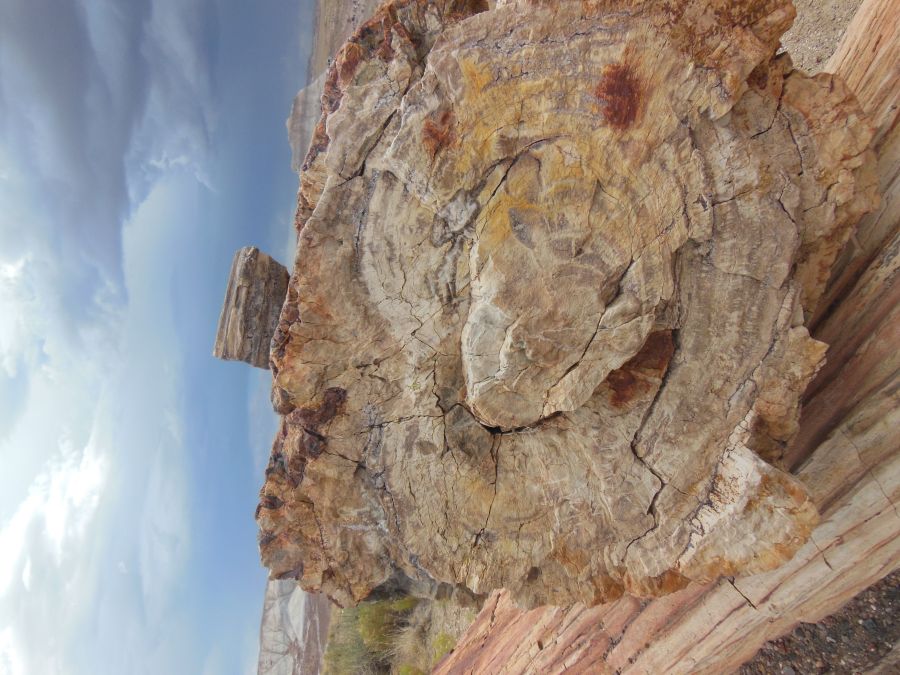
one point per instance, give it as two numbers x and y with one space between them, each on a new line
142 142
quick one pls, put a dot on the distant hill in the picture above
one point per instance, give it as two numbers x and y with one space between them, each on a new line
293 630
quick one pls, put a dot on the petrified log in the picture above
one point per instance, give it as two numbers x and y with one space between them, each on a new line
546 328
712 629
847 452
256 289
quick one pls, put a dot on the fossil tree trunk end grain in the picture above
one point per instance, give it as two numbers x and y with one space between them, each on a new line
546 328
846 454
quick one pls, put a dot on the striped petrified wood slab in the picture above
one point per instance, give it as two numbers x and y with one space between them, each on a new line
256 289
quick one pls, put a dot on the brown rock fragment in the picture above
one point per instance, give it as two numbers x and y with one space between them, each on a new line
256 288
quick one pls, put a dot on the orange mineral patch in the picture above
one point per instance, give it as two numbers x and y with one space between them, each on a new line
437 132
619 93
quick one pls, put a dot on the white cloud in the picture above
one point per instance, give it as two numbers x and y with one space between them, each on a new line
9 272
72 491
98 102
11 662
100 533
60 503
17 338
42 557
163 531
106 114
26 574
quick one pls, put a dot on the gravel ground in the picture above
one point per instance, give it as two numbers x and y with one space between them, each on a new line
816 31
853 640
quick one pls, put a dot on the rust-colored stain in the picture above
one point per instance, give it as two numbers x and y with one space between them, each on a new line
306 424
385 49
743 14
666 583
314 418
349 61
437 132
270 502
759 76
606 589
462 9
619 94
639 374
655 355
625 386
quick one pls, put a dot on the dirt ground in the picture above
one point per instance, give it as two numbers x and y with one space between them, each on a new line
853 640
817 30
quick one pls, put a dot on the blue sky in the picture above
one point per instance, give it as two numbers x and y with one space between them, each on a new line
141 143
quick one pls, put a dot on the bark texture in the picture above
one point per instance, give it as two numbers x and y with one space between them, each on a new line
256 290
546 326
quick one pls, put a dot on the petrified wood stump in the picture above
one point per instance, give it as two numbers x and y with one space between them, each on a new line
256 289
546 327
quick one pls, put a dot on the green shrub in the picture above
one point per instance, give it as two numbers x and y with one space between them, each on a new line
407 669
376 623
441 646
361 639
346 652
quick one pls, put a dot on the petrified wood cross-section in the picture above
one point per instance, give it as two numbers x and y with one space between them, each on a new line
546 325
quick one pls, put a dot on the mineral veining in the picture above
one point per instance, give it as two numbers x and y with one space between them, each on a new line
256 289
545 327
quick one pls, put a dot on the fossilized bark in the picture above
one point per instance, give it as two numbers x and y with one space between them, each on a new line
546 321
256 289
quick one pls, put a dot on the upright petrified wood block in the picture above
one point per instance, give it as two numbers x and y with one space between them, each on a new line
256 289
546 329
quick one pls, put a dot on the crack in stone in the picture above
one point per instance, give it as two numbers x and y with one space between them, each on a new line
730 580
